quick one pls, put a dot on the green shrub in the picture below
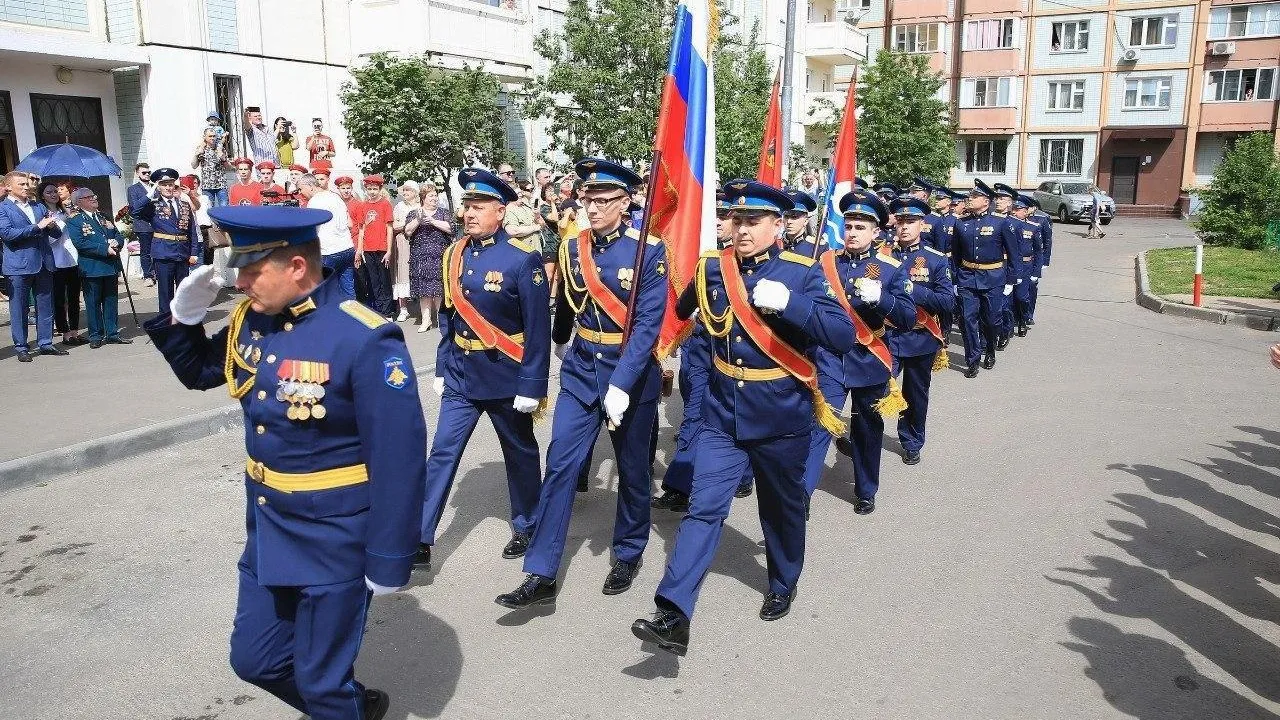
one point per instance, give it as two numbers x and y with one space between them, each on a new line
1244 195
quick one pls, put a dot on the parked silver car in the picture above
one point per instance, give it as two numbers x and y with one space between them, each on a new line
1069 201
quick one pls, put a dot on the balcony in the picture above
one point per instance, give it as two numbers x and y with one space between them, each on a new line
988 120
1236 116
834 43
913 10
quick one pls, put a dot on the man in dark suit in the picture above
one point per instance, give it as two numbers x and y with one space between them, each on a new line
25 228
139 195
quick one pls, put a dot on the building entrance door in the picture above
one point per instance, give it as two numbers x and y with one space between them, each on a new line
65 118
1124 180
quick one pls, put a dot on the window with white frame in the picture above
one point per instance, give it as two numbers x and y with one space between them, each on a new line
1153 31
987 92
1150 93
1066 95
917 38
985 156
1070 36
988 34
1061 157
1238 21
1240 85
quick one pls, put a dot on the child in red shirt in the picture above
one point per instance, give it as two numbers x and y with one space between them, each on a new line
371 223
244 191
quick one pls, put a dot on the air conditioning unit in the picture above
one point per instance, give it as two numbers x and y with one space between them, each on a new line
1129 55
1222 48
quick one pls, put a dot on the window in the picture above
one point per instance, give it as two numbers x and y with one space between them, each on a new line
985 156
230 104
1240 85
988 34
1066 95
987 92
1147 93
1239 21
1061 157
1070 36
1153 31
918 38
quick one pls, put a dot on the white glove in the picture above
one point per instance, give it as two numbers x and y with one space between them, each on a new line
1035 279
561 350
438 386
616 403
869 290
1019 281
378 589
1008 289
770 295
524 404
194 295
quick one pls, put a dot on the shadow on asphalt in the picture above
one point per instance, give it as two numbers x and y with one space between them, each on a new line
417 645
1148 677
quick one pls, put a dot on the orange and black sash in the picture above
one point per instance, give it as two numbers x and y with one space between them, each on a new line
861 330
775 348
486 332
928 322
599 292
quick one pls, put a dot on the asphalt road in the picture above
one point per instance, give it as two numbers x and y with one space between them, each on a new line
1092 534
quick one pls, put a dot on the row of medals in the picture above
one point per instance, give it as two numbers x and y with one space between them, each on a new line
303 398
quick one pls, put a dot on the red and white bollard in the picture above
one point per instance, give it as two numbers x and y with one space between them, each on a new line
1198 286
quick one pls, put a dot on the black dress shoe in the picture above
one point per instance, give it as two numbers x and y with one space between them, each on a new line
51 350
535 590
376 704
744 490
1030 322
911 457
422 558
672 500
843 446
74 341
583 484
24 356
668 628
518 546
1022 331
864 506
989 359
776 606
972 371
620 577
95 344
117 340
1002 343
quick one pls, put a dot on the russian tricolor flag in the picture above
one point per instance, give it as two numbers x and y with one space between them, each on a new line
683 212
844 167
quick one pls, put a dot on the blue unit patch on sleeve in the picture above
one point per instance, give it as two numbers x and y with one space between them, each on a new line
394 373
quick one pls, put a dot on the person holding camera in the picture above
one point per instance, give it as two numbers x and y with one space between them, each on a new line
319 145
211 160
286 138
261 141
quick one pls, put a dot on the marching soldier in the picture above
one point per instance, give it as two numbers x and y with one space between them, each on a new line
940 227
764 308
873 289
920 189
796 237
987 262
175 239
601 380
1045 224
495 348
1028 239
334 434
1005 197
920 348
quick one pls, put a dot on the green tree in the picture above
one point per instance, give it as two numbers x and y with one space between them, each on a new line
744 81
1242 198
604 81
411 119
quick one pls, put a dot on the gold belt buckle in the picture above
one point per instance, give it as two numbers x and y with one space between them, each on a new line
256 470
740 373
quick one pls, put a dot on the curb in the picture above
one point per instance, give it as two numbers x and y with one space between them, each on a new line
93 454
1158 304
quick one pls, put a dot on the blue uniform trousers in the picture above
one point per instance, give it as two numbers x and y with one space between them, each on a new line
574 430
458 418
168 274
100 307
1033 293
300 644
41 285
1021 305
917 373
144 253
980 320
719 465
866 435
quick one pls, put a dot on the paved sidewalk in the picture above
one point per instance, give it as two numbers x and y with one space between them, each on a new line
1265 307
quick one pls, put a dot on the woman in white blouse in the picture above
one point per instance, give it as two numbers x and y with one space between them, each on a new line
66 279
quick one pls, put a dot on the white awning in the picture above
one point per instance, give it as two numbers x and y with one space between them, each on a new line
68 50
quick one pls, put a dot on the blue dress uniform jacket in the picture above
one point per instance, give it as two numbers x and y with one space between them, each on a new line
503 279
985 240
803 245
941 232
1046 235
932 290
90 237
373 419
175 236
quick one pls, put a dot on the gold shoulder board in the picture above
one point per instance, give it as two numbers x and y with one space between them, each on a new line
367 316
892 261
796 258
520 244
935 251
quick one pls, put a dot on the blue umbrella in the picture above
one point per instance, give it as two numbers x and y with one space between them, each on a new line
69 160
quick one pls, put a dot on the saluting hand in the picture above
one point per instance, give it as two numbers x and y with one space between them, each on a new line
194 295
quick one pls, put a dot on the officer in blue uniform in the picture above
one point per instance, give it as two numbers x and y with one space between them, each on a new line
888 192
940 226
695 369
758 414
876 288
334 434
602 380
1005 201
175 236
1027 234
796 236
1045 224
495 348
987 261
919 348
920 189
